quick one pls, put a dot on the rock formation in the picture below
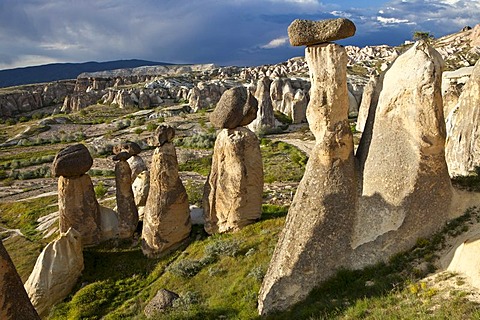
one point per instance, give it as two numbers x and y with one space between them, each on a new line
405 190
462 145
56 271
265 119
126 208
315 241
233 192
166 223
306 32
14 301
163 300
77 204
299 107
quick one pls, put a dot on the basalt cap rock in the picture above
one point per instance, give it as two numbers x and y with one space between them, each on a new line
237 107
131 147
308 32
72 161
122 156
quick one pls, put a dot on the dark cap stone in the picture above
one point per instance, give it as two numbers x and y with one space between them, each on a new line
237 107
308 32
72 161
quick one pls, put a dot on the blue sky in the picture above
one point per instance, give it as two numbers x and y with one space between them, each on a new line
225 32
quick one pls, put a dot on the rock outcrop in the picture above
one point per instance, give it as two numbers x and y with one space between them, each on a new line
160 302
166 222
463 145
233 192
405 190
126 207
14 301
56 271
315 241
265 119
77 204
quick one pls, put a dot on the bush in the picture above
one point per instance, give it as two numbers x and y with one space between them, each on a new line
151 126
226 247
186 268
100 190
197 141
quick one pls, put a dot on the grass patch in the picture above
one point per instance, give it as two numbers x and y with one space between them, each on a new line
282 162
200 165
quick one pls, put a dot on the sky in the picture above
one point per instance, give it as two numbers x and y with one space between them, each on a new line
224 32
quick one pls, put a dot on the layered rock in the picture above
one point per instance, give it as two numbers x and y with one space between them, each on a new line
462 145
315 241
405 190
56 271
14 301
77 204
126 207
265 119
166 222
232 196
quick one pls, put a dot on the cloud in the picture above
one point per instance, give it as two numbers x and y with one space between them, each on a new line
275 43
204 31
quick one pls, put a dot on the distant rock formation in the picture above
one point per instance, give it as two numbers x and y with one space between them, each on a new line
77 204
315 241
265 120
56 271
14 301
166 223
33 97
233 192
463 145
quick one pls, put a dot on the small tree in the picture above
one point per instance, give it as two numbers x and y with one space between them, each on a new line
422 35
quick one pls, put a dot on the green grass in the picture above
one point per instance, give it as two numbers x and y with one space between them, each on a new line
282 162
200 165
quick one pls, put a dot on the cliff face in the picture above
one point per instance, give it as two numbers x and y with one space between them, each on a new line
17 100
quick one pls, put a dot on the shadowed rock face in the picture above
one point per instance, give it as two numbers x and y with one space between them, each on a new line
130 147
14 301
126 208
315 241
307 32
237 107
233 192
166 223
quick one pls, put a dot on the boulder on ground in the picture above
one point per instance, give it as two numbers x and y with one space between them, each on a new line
72 161
160 302
14 301
307 32
56 271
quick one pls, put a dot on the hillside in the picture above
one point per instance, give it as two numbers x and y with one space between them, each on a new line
63 71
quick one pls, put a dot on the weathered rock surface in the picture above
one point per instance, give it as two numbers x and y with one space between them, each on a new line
265 119
56 271
14 301
299 107
315 241
72 161
132 148
163 134
166 223
237 107
160 302
462 148
307 32
233 192
369 102
78 208
126 207
141 187
405 188
452 87
137 165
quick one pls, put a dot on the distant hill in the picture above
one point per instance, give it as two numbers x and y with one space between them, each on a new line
62 71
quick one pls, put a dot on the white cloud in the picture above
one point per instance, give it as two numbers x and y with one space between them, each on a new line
275 43
391 20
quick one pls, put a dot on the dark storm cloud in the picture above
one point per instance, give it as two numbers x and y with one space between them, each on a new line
240 32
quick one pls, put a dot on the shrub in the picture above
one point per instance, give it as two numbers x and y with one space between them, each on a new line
194 192
186 268
225 247
198 141
151 126
100 190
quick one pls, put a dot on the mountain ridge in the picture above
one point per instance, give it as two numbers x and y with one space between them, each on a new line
63 71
